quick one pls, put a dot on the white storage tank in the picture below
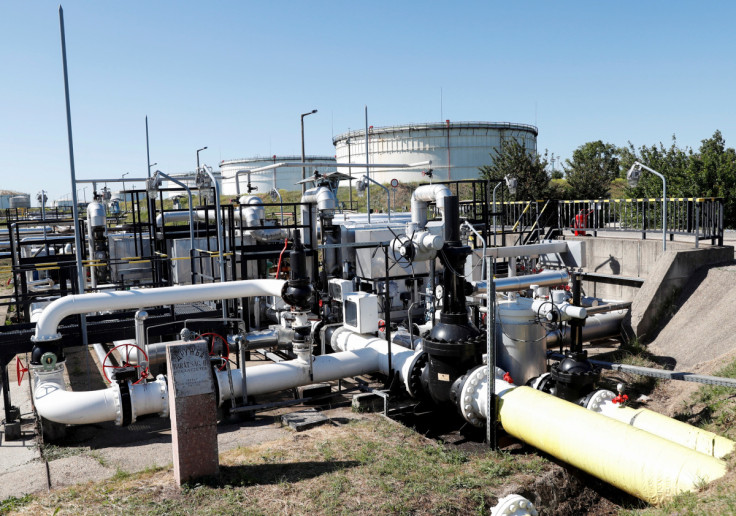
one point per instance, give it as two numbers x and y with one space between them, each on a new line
7 195
456 149
20 201
284 178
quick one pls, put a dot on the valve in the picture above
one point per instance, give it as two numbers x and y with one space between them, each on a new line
507 378
20 369
621 397
141 367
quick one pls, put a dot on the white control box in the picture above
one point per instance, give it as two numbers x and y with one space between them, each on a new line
360 312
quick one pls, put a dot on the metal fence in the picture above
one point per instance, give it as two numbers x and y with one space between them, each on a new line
698 217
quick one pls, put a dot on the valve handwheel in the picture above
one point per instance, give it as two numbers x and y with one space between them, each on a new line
226 349
20 369
125 354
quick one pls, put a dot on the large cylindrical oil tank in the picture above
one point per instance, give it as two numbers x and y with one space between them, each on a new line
456 149
521 344
284 178
20 201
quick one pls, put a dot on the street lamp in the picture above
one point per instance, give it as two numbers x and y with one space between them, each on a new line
304 169
633 176
198 151
123 177
149 168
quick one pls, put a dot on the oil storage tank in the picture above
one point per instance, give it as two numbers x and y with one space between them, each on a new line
20 201
456 149
6 197
283 178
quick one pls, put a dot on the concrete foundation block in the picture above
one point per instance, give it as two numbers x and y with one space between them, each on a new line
303 420
367 402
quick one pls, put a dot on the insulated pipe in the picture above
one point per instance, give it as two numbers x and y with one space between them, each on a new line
360 354
514 283
528 250
598 326
55 403
637 462
47 325
424 195
678 432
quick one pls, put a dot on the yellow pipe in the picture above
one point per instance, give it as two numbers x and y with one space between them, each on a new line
637 462
665 427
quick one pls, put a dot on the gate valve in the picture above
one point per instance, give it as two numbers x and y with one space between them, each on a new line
507 378
20 369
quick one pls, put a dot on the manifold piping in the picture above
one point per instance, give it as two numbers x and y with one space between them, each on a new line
637 462
424 195
357 355
52 315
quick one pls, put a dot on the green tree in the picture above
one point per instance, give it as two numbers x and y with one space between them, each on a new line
679 166
529 168
592 168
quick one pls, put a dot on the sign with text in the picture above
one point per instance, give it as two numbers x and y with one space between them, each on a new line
190 367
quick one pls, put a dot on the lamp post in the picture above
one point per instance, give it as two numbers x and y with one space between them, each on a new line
633 176
198 151
123 177
151 166
304 169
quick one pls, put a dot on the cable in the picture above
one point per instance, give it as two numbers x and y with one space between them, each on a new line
281 255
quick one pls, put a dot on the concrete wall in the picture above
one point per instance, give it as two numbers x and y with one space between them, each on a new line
671 272
664 273
628 257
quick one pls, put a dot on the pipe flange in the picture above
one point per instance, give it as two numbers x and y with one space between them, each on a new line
46 338
514 505
118 404
413 380
543 382
469 389
598 398
164 393
131 400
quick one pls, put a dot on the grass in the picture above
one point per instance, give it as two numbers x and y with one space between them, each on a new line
372 466
11 504
713 407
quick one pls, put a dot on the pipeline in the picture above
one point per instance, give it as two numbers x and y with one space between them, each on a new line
421 197
357 354
515 283
689 436
55 403
644 465
599 326
54 313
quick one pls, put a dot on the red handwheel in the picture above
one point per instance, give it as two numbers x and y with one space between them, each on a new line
125 353
226 351
20 369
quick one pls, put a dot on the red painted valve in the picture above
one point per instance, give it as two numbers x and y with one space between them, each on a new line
20 369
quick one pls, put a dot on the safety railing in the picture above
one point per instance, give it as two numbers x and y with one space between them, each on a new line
700 218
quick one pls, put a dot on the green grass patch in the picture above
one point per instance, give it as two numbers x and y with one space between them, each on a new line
13 503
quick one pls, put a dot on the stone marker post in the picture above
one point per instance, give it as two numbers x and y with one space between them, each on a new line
193 411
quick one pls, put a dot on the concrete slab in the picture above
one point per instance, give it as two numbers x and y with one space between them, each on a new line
303 419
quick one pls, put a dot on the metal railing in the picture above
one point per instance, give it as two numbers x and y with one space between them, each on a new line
698 217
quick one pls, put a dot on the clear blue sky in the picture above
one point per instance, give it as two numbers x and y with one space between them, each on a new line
236 75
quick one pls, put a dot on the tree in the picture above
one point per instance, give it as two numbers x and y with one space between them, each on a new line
528 168
592 168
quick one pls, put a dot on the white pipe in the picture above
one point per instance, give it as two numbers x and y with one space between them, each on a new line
55 403
514 251
421 197
359 354
46 327
514 283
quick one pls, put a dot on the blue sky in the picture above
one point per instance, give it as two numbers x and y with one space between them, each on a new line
235 75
